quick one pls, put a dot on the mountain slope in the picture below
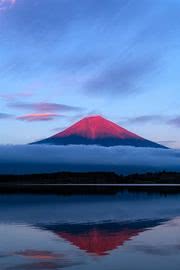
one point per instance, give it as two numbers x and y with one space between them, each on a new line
96 130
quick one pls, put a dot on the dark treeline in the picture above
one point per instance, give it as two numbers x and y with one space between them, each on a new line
92 178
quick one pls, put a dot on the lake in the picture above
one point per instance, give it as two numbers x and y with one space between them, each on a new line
122 231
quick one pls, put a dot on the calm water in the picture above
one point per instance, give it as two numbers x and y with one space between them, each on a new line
125 231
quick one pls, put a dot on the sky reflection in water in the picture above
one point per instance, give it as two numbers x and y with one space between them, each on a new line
126 231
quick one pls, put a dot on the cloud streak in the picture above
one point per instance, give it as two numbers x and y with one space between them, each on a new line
14 96
121 78
43 158
44 106
5 4
144 119
5 115
34 117
154 119
175 121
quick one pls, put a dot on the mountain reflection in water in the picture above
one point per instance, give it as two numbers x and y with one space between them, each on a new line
100 239
127 231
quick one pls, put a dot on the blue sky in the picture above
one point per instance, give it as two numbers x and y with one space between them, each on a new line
61 60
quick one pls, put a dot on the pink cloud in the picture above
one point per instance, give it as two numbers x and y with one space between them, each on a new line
38 117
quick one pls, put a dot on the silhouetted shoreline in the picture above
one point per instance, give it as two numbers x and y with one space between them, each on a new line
89 183
93 178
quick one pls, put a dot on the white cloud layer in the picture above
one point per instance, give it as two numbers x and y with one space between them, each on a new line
122 159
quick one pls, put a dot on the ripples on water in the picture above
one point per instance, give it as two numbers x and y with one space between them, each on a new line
125 231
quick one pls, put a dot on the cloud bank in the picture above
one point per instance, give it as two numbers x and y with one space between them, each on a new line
43 158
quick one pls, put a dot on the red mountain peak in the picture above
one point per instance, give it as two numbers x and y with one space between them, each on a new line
94 127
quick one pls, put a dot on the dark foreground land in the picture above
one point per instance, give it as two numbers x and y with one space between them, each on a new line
92 178
89 183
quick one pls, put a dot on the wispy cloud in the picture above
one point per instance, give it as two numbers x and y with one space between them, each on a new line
5 115
153 119
175 121
44 106
144 119
121 78
14 96
79 62
38 117
5 4
169 143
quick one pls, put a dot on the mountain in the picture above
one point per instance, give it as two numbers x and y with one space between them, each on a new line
96 130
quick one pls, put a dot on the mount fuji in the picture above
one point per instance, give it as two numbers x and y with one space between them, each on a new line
96 130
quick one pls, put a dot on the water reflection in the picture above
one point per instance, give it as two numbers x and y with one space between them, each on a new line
127 231
37 266
39 254
100 239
